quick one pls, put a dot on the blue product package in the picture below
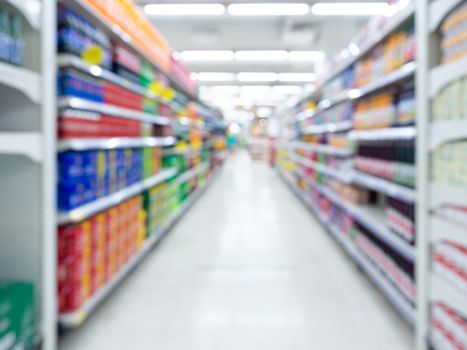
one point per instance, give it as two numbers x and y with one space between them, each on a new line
73 165
73 194
102 174
112 164
120 168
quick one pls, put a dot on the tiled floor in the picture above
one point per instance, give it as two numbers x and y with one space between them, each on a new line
247 268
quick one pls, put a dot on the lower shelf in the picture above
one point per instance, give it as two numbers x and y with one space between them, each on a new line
73 320
386 288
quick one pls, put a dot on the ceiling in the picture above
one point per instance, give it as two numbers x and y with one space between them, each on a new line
328 34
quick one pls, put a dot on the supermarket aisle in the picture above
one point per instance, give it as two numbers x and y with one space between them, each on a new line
247 268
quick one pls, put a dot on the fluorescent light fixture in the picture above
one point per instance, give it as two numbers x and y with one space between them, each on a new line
257 76
215 76
184 9
297 77
354 49
259 55
225 89
272 9
287 89
306 55
350 8
207 55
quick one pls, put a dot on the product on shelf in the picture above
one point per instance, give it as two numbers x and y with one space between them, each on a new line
340 84
450 262
391 160
76 84
80 124
161 203
92 252
448 164
88 175
400 217
11 37
376 112
451 102
126 63
454 34
396 269
17 315
351 193
448 328
78 37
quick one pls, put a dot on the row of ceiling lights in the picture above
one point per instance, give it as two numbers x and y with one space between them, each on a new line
249 55
268 77
269 9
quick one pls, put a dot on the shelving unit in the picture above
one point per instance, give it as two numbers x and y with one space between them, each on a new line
313 167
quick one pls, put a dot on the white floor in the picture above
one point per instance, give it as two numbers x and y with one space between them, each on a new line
247 268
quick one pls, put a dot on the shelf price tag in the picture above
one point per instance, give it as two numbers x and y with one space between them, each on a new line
156 88
169 94
94 54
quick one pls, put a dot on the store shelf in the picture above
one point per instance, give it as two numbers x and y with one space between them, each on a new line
447 131
444 74
118 34
85 105
308 114
71 61
442 228
390 134
373 219
113 143
27 144
88 210
447 194
389 188
21 79
338 99
326 149
439 9
385 286
30 9
405 72
444 291
75 319
345 177
188 175
327 128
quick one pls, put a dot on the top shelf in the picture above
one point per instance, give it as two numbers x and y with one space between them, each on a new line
439 9
30 9
117 33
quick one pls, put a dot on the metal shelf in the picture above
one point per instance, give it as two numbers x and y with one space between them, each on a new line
28 144
85 105
188 175
439 9
385 286
113 143
118 34
338 99
392 189
21 79
447 131
445 229
373 219
71 61
442 290
444 74
30 9
397 133
345 177
319 148
90 209
75 319
327 128
447 194
405 72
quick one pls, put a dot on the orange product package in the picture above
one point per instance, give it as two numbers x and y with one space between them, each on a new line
98 273
111 251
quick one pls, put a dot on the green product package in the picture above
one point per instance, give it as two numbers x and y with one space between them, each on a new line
148 73
17 315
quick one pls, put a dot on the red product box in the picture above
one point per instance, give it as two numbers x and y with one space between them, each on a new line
126 58
78 124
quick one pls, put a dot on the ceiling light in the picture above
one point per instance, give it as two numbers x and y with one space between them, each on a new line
287 89
264 9
258 55
215 76
207 55
184 9
225 89
306 55
264 112
350 8
254 76
297 77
